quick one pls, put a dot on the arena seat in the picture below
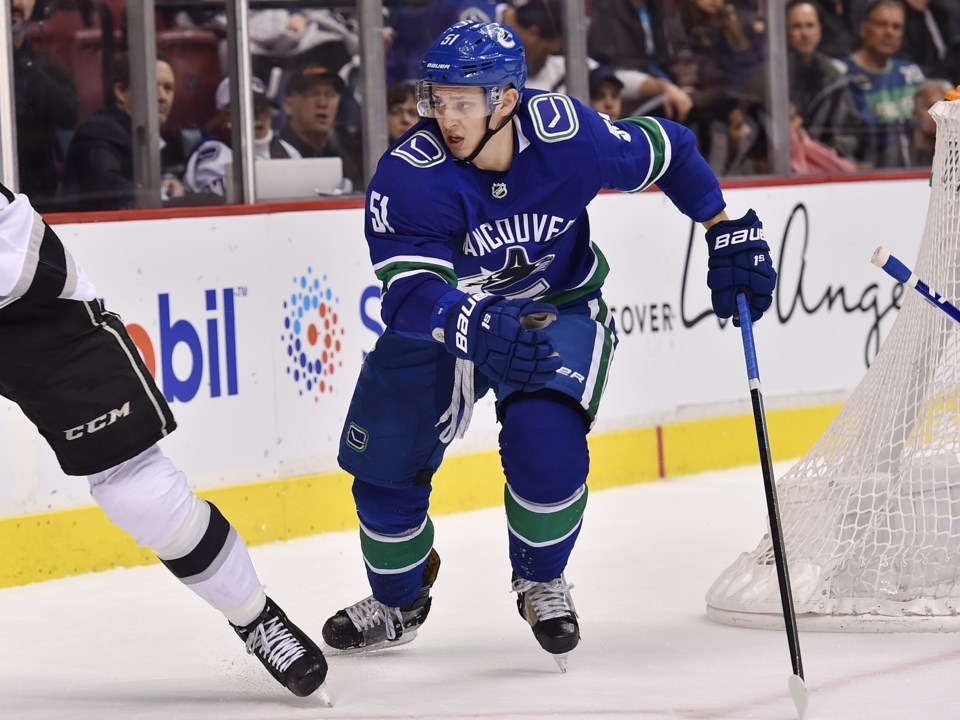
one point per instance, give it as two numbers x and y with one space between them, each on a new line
86 65
55 33
195 60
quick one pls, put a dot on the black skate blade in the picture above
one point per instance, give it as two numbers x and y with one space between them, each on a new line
407 637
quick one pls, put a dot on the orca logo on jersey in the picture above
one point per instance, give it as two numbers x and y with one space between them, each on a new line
98 423
738 237
514 279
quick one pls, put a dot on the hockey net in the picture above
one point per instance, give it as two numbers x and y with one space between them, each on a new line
871 514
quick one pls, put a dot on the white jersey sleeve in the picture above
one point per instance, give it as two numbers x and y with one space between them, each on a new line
32 258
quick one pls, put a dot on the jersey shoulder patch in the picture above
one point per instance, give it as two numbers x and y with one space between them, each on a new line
422 150
554 117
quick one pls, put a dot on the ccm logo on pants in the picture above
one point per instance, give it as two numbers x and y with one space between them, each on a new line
98 423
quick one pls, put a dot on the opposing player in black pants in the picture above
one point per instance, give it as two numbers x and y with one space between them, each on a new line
76 374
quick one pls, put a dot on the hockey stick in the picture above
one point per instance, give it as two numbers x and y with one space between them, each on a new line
798 690
901 273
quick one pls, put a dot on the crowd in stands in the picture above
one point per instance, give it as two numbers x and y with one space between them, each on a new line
862 74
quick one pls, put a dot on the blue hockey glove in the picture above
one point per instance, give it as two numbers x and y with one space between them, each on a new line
492 332
740 261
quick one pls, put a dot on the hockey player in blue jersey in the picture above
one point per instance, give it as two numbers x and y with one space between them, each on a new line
477 226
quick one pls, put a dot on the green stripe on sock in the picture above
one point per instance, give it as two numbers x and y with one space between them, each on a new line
547 526
393 555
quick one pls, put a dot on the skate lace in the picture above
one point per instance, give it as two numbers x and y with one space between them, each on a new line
549 600
369 612
274 642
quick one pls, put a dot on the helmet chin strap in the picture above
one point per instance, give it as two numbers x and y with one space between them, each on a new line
489 134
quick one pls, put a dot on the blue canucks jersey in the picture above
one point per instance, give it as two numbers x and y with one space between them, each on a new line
523 233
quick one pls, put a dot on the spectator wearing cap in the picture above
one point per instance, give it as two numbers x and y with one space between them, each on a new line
883 86
98 173
538 24
605 89
819 87
401 110
311 104
206 171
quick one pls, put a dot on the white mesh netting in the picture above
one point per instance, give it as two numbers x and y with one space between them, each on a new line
871 514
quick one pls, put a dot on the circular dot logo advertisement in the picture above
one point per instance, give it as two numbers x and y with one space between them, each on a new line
312 333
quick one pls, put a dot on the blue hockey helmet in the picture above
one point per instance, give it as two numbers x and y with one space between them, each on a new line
475 54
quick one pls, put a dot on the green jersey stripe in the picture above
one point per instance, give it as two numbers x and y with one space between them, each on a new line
385 273
591 284
660 150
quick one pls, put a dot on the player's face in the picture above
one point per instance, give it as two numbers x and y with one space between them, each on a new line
803 29
882 31
461 113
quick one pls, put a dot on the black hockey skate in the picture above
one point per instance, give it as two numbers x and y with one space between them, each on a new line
285 651
370 625
549 609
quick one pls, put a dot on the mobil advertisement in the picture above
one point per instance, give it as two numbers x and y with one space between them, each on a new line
255 326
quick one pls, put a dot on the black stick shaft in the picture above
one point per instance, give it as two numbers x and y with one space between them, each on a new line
769 485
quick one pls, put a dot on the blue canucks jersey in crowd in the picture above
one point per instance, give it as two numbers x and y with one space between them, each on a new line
523 233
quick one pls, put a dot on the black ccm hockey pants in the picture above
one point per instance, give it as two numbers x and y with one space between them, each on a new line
76 374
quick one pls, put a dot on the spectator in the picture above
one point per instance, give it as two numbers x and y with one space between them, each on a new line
837 22
819 87
641 35
731 136
99 167
538 24
808 155
728 55
207 166
883 87
46 101
311 103
924 137
306 36
605 89
930 33
401 110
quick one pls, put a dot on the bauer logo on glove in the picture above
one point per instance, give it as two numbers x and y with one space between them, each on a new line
740 262
738 238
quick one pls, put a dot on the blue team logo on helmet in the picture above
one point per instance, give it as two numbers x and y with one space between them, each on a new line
475 54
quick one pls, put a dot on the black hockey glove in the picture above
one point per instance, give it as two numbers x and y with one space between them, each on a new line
492 332
740 262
